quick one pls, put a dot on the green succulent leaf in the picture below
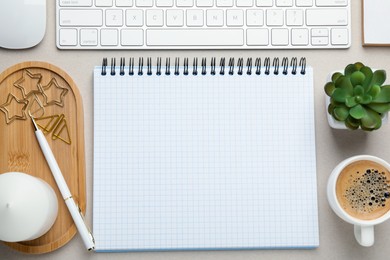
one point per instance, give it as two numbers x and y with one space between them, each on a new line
367 129
352 123
371 121
349 126
344 83
350 102
366 99
359 65
383 96
335 76
367 71
358 90
340 113
351 68
358 112
367 81
339 95
331 108
380 107
357 78
329 88
379 77
374 91
335 103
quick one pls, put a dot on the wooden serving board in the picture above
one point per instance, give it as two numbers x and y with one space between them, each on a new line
52 97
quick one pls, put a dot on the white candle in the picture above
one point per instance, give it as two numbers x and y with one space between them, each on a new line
28 207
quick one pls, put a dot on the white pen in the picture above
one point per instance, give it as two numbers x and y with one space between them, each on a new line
74 210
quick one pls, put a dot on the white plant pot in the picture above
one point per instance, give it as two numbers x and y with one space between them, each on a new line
335 124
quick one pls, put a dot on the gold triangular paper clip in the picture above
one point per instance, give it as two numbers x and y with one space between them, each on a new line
55 124
59 129
48 123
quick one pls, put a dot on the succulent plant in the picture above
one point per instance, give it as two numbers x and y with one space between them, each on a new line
358 97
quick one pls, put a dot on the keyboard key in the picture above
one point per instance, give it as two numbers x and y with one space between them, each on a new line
75 3
194 17
204 3
316 17
279 37
74 17
132 37
319 32
102 3
244 3
331 2
294 17
184 3
284 3
299 37
339 36
154 17
144 3
134 17
195 37
88 37
274 17
164 3
304 3
68 37
264 3
214 17
257 37
175 17
319 41
234 17
224 3
109 37
254 17
124 3
114 17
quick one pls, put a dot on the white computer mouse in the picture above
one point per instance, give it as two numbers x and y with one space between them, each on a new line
22 23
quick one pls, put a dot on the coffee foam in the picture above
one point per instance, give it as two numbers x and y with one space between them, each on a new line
363 190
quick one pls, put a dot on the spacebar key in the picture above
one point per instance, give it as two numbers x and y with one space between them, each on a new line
195 37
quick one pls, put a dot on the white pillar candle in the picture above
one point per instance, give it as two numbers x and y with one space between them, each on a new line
28 207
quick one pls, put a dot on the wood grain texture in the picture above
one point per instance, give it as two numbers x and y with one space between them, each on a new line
44 90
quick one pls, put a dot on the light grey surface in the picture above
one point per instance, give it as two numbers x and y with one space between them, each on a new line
336 236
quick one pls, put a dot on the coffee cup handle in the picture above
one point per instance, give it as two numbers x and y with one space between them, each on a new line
364 235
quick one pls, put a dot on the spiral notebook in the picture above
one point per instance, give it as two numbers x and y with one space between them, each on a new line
204 155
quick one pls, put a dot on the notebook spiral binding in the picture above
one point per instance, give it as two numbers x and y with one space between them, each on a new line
257 68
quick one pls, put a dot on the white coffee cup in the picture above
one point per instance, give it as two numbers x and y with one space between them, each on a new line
363 229
28 207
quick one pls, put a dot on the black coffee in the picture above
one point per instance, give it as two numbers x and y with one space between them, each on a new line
363 190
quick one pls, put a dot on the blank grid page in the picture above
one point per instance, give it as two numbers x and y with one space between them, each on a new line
204 162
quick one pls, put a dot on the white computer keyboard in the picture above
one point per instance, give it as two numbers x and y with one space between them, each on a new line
203 24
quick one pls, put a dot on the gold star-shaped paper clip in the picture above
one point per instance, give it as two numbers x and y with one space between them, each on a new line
29 83
14 109
53 93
